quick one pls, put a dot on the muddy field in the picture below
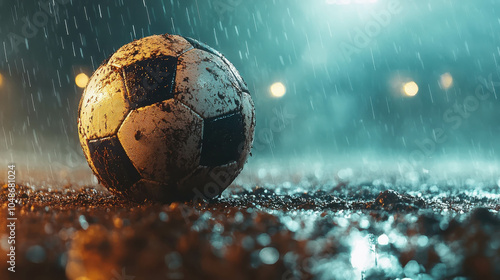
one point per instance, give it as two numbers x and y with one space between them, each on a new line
270 231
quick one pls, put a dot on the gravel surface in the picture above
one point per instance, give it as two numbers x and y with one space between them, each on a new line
344 231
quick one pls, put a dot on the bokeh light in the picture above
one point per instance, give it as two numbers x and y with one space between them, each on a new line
81 80
410 89
383 239
362 256
278 89
446 81
1 79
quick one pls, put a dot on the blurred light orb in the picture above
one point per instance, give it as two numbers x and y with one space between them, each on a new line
383 240
269 255
1 79
278 89
362 256
410 89
446 81
81 80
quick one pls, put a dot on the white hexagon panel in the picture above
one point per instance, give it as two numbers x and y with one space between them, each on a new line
163 140
205 84
103 106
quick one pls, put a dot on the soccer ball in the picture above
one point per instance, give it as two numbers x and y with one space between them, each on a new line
166 118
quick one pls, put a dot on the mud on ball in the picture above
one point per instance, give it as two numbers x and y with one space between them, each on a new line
166 118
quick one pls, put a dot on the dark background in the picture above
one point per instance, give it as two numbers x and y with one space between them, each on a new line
336 106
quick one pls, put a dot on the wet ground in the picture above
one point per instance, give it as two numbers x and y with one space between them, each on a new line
271 231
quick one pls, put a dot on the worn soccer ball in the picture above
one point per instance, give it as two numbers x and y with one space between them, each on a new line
166 118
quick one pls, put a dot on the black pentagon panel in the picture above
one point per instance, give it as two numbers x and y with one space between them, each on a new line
202 46
112 163
222 137
150 81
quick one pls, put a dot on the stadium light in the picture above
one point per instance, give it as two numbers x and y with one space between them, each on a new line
81 80
278 89
446 81
410 89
